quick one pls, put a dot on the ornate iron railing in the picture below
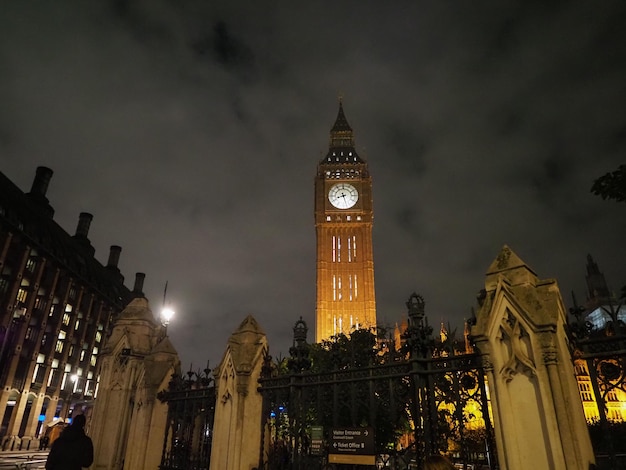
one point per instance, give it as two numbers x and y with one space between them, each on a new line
420 400
189 433
603 351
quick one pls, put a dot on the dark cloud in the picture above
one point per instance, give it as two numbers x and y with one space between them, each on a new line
192 130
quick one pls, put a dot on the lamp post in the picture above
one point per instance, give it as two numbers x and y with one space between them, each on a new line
166 315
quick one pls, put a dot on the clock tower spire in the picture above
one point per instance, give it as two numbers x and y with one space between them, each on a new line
343 222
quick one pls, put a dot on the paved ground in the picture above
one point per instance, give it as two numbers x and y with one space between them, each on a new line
22 460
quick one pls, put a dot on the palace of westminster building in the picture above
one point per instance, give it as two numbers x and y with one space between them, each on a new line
58 303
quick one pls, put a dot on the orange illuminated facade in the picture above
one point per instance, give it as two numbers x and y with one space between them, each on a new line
343 221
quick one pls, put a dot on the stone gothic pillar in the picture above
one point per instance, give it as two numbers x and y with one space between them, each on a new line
238 407
129 422
520 330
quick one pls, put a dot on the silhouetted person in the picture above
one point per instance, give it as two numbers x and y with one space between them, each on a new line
73 449
437 462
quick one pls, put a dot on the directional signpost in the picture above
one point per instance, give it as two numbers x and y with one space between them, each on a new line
317 439
352 446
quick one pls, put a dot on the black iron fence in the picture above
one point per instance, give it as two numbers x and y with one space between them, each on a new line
189 432
601 345
418 396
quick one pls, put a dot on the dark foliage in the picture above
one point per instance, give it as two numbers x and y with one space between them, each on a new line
612 185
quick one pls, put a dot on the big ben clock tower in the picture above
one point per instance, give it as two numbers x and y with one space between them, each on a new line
343 223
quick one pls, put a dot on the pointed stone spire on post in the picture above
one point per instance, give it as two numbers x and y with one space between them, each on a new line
238 408
520 331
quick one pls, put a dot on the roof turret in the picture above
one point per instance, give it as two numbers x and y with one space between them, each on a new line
341 135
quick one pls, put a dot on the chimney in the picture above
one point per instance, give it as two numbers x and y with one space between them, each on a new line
82 230
114 256
41 181
84 222
138 289
37 194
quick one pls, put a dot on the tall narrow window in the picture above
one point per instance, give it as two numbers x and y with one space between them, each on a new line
334 287
356 285
339 249
334 248
349 249
339 287
354 247
351 287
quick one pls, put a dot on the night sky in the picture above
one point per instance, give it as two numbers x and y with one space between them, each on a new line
191 130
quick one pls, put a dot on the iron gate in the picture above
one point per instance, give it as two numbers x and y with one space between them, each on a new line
604 351
189 432
419 395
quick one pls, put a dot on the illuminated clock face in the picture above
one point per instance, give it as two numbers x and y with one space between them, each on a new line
343 195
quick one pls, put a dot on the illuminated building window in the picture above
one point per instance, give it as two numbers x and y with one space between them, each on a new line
585 391
339 288
334 249
77 325
31 264
334 287
348 218
68 308
351 289
21 295
338 249
70 353
82 355
98 336
93 360
60 342
66 319
39 368
55 364
358 217
614 415
328 218
349 250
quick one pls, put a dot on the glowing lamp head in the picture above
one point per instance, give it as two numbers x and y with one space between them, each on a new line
166 315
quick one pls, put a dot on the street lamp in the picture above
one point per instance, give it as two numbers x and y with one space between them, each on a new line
166 315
